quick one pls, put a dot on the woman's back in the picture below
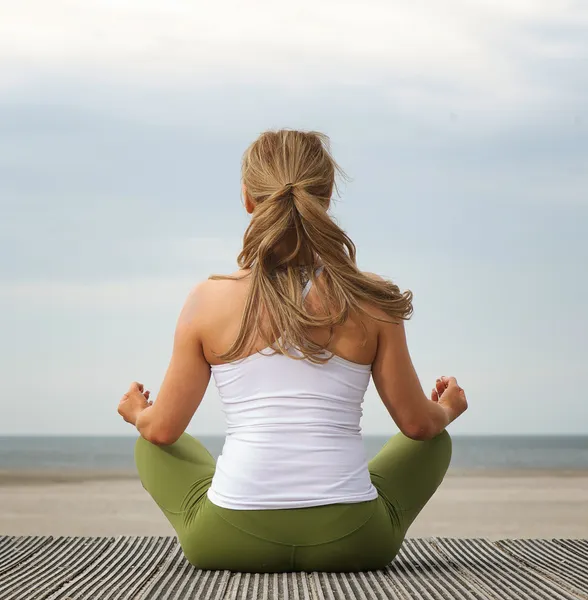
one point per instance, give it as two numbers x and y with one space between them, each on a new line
355 341
293 436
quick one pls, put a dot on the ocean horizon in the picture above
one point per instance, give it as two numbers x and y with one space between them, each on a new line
470 452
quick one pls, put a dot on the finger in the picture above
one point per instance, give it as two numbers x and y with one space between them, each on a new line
136 386
434 395
146 394
440 386
449 380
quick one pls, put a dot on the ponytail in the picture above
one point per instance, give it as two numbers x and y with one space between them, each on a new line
290 176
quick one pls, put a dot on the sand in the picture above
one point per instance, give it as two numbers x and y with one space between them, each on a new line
495 505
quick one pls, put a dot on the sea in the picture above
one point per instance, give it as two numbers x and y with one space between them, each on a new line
470 453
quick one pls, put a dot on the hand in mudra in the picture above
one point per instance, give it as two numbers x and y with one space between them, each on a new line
449 395
133 402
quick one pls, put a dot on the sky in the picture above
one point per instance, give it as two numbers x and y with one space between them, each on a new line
463 127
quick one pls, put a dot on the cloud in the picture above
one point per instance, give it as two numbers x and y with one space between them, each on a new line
130 295
463 126
471 52
55 263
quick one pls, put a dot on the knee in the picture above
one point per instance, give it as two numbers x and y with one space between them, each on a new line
443 449
143 450
148 462
444 441
141 446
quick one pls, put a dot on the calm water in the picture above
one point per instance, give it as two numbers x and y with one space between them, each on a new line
469 452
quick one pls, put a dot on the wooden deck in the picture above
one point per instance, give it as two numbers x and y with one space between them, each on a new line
138 568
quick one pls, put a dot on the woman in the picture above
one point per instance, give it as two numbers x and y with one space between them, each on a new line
291 340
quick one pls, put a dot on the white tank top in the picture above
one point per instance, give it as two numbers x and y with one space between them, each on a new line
293 436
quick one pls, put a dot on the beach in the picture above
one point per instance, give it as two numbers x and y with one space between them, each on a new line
493 504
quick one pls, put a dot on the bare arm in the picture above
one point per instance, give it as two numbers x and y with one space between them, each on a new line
399 387
186 379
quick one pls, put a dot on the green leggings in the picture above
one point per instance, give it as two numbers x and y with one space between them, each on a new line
336 538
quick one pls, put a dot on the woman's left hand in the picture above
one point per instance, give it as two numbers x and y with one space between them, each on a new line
133 402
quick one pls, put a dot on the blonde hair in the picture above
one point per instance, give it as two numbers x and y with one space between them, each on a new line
290 176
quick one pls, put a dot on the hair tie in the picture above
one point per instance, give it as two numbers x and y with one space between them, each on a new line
287 191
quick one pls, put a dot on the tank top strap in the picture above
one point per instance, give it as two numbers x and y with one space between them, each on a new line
308 285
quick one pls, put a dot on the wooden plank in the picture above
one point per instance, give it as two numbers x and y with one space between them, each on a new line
556 561
364 586
579 547
150 568
419 572
439 576
120 572
52 563
6 541
177 578
497 574
14 550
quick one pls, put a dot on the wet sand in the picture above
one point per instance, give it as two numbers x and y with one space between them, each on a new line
493 504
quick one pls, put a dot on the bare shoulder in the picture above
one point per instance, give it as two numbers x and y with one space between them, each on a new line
375 277
386 324
213 288
215 297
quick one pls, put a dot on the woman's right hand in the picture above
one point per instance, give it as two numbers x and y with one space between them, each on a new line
450 396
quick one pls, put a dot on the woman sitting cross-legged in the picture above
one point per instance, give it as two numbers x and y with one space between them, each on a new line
292 339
